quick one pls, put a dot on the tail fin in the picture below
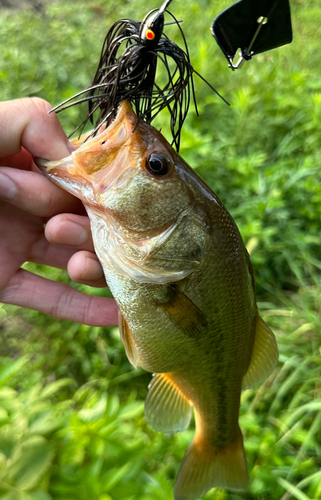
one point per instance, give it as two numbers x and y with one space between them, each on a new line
205 467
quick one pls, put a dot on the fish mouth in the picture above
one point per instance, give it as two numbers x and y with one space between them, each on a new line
84 171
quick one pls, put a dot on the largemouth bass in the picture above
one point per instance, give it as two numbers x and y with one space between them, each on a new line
178 269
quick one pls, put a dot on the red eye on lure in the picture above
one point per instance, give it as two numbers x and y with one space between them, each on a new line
150 35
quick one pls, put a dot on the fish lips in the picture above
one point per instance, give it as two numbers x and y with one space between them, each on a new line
96 162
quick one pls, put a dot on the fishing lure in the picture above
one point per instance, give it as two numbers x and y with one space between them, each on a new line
127 70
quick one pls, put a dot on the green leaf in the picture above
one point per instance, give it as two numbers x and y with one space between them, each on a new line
23 495
54 387
3 415
15 495
30 462
39 495
131 410
294 490
10 371
8 441
46 421
95 413
114 476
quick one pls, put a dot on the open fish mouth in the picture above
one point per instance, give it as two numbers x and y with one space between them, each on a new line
83 173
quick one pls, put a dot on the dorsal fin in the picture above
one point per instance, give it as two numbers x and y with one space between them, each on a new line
166 407
127 339
264 355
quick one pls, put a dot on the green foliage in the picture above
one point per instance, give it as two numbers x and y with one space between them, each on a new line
71 407
60 439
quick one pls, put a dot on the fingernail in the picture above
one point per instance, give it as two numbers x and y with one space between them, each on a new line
77 234
71 147
8 189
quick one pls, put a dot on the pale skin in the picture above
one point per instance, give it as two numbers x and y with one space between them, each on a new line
41 223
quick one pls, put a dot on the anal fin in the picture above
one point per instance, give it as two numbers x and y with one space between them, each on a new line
264 355
167 409
127 339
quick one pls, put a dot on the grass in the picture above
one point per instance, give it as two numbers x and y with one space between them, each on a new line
71 407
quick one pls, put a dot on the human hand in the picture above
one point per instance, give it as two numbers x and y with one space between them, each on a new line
28 201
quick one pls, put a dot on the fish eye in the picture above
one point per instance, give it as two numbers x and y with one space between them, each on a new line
158 164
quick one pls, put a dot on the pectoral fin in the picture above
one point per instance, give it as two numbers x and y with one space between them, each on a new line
264 355
166 408
128 341
184 313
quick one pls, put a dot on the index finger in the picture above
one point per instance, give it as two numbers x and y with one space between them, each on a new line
26 123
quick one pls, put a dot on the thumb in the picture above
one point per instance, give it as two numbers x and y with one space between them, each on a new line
26 123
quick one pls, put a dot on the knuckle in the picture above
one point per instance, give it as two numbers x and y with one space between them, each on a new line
38 104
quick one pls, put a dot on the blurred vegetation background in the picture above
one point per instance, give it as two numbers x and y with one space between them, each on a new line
72 425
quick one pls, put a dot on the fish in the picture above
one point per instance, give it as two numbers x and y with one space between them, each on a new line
176 264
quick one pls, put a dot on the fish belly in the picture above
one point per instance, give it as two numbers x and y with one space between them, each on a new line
161 346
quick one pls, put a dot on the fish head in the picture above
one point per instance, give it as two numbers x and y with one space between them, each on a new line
127 171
